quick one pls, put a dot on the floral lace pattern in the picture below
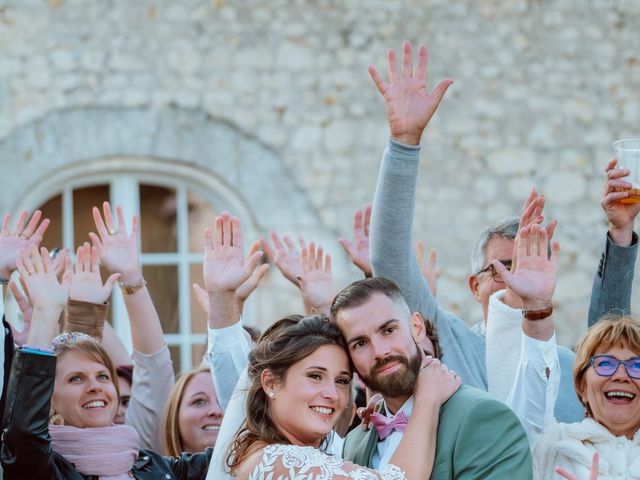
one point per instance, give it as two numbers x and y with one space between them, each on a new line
283 462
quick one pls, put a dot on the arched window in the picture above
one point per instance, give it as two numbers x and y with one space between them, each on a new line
174 204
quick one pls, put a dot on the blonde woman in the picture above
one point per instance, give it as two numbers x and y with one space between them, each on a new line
193 416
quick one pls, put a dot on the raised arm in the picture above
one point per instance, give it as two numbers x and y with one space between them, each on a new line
119 253
27 452
153 376
228 280
613 281
12 242
535 389
409 108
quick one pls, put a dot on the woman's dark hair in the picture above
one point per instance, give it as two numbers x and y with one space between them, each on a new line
282 345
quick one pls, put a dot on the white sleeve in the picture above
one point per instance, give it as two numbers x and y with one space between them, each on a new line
502 350
234 417
535 389
228 355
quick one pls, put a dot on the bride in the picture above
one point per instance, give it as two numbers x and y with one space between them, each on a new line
300 377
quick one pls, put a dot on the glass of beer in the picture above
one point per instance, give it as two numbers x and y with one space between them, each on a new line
628 153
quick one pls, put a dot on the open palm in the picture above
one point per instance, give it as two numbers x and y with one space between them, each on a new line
409 105
86 283
316 281
225 268
534 279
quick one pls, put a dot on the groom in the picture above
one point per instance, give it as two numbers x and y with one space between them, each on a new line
478 437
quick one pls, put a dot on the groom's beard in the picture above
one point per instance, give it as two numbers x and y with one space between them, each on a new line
399 383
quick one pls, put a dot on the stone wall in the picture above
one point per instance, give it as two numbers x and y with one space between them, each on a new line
542 88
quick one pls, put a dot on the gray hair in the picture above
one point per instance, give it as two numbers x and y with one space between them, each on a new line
507 228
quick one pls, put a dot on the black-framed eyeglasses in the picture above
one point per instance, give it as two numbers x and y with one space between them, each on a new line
494 273
607 365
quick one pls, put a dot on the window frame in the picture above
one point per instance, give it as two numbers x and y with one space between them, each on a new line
124 175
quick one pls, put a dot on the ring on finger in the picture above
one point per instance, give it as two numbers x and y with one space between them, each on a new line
114 231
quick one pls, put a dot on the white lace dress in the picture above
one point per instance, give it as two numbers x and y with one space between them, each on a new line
284 462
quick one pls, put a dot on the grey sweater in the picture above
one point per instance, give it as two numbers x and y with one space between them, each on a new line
392 257
613 281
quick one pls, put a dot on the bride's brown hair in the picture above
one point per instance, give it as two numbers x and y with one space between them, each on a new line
285 343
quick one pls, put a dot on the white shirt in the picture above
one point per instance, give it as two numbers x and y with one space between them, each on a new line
385 448
535 389
228 354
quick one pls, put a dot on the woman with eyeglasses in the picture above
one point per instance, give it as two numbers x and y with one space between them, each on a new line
605 444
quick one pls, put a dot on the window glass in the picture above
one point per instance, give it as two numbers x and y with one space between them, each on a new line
201 215
158 209
198 316
162 282
84 199
52 209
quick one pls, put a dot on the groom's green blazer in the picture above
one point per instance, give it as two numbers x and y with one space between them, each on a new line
478 438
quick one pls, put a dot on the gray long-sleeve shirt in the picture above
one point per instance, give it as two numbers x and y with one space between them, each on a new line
392 257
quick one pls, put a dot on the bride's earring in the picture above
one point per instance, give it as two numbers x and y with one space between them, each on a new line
55 418
271 394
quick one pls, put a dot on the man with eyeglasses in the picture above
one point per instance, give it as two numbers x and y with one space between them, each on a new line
409 108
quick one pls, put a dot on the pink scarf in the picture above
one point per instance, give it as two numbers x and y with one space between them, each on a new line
108 452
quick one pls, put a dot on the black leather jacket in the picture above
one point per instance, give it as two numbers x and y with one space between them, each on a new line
26 452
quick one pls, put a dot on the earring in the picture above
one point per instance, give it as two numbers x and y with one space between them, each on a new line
55 418
271 394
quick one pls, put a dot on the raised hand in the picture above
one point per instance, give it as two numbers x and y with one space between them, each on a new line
59 262
250 284
117 250
225 268
620 215
430 271
244 291
593 474
12 242
358 252
409 104
86 283
36 271
532 213
24 304
284 256
534 278
316 281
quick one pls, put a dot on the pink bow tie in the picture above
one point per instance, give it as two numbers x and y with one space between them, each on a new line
385 425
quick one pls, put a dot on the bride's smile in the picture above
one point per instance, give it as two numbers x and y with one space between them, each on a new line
313 394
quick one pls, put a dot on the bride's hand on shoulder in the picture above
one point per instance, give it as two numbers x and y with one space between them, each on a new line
436 383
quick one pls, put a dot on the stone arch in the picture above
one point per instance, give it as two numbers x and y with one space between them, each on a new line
243 174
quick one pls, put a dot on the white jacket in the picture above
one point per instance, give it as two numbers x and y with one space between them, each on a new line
572 445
